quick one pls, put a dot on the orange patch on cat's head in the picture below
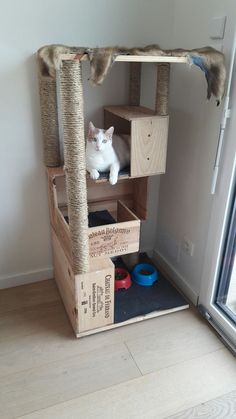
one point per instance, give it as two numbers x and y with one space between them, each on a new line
109 132
92 132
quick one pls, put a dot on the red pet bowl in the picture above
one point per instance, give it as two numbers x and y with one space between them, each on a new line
122 279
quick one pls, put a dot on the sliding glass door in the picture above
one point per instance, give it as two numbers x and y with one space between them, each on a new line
217 299
225 296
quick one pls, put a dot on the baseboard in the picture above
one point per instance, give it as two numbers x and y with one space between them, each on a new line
171 273
147 250
10 281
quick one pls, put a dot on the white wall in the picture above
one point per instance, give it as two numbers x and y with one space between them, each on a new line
25 251
184 200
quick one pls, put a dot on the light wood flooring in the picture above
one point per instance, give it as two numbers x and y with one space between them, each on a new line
167 367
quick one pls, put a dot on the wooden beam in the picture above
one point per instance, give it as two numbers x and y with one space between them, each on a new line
132 58
150 59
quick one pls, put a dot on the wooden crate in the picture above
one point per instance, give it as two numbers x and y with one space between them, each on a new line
148 137
88 298
110 240
116 239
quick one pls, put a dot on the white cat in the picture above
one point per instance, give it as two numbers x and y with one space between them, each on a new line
105 153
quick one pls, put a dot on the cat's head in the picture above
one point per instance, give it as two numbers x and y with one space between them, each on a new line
100 138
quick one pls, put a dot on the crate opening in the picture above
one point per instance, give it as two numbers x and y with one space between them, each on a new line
102 195
139 301
115 215
118 212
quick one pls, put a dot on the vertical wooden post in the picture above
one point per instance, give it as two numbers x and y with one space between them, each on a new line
49 120
162 89
134 83
71 91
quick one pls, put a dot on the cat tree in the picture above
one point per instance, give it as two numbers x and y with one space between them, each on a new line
83 269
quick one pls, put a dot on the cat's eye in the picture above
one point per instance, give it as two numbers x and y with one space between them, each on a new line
104 141
95 139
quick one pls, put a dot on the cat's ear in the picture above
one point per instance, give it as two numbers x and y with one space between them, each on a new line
109 132
91 130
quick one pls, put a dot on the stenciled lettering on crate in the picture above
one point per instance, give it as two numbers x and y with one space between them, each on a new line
110 240
96 299
114 241
89 297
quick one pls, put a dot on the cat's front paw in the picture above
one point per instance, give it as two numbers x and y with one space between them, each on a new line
94 174
113 179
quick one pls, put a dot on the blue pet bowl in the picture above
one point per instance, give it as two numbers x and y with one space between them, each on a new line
144 274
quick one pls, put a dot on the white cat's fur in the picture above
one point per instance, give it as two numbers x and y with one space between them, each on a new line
105 152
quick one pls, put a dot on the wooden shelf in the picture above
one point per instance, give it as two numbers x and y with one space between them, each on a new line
59 171
132 58
151 59
105 179
131 113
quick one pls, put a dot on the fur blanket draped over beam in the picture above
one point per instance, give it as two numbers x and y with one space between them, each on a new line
209 60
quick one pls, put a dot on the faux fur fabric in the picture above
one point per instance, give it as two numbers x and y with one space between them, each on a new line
209 60
49 57
212 63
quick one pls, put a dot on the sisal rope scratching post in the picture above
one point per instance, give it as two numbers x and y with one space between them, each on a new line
49 120
71 93
162 89
134 83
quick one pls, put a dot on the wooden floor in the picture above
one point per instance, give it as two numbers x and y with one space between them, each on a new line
168 367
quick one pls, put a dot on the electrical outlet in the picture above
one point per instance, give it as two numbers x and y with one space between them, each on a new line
187 246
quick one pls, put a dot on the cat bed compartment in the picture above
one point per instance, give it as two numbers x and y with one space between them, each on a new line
138 302
148 134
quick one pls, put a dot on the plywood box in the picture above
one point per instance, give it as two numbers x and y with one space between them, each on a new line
89 297
148 137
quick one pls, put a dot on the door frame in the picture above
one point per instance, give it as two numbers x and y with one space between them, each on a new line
217 230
